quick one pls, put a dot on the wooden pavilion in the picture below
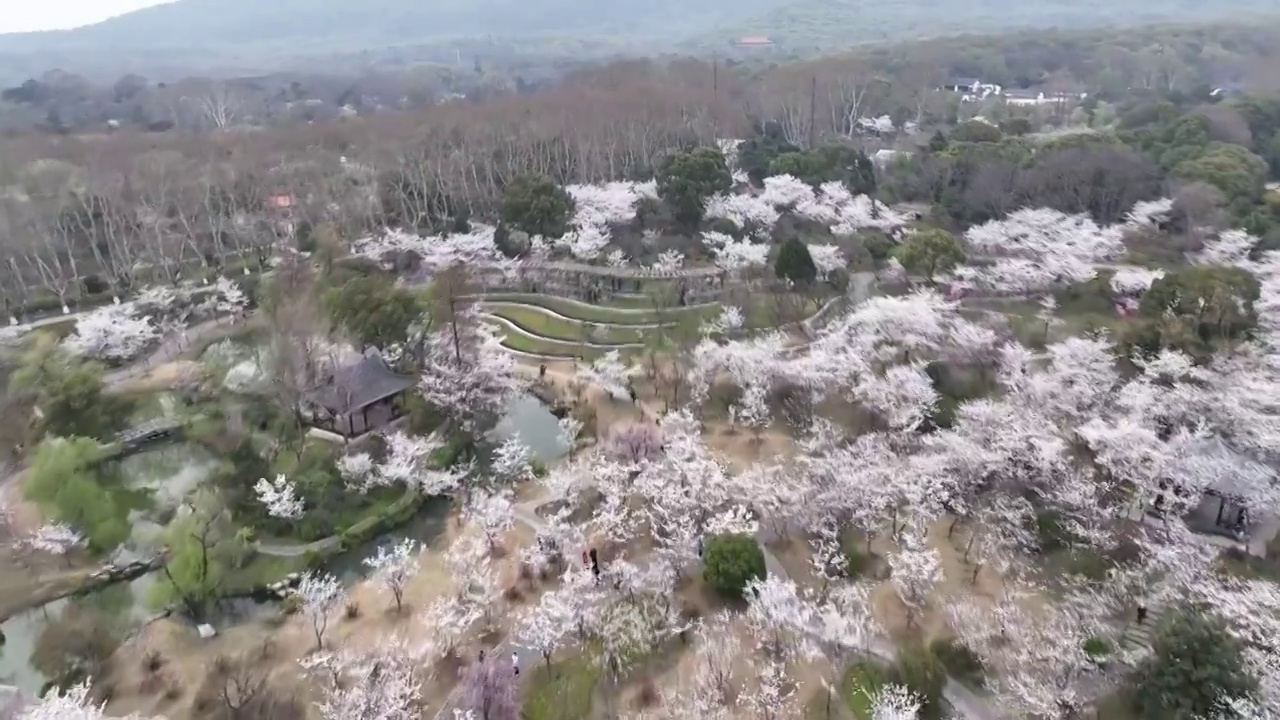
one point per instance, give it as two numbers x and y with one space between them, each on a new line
360 397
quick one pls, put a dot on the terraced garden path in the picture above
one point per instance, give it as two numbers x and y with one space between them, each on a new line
549 327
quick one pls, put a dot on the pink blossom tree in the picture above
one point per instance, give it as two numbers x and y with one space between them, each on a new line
491 691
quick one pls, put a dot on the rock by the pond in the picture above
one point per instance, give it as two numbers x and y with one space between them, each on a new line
206 631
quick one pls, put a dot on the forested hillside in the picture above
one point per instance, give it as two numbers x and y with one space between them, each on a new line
191 36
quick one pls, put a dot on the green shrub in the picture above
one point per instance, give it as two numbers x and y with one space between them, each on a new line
1051 533
1195 664
961 663
1097 647
923 674
861 682
855 560
730 562
562 692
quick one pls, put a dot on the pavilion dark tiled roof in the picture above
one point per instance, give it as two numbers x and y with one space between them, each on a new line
361 383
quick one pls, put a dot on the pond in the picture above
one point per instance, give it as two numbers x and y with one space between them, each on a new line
125 604
240 363
170 471
532 420
425 527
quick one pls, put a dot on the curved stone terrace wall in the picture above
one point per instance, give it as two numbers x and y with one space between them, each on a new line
590 282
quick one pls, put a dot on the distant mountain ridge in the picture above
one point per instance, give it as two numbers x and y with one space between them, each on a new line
197 36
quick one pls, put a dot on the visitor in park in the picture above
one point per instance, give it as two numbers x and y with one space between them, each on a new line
515 663
1142 612
481 659
586 559
632 392
542 371
595 564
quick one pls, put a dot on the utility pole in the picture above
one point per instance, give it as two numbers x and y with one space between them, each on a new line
813 112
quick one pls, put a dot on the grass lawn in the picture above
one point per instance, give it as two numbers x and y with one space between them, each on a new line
861 681
598 313
262 570
541 323
818 707
633 302
1029 329
762 311
557 348
58 330
562 693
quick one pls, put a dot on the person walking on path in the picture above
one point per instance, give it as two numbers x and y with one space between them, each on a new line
595 564
1142 612
515 663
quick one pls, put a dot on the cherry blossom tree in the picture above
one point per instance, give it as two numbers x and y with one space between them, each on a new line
279 497
894 702
356 468
610 373
633 443
320 596
447 620
114 333
916 569
470 378
780 617
379 686
494 512
827 258
567 430
729 321
394 566
55 539
72 703
408 462
511 462
776 696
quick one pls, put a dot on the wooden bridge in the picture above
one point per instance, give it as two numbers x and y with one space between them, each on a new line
158 429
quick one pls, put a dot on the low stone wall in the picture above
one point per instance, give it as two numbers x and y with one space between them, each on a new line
89 582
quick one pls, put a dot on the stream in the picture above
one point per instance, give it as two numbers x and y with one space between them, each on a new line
171 472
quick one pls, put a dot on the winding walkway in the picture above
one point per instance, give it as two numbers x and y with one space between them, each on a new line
557 341
498 305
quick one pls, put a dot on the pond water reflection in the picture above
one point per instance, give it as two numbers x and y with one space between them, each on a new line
173 471
538 428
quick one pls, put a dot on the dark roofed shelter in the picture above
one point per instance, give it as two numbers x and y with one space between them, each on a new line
361 397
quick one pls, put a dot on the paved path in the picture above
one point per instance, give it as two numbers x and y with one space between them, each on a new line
170 348
528 658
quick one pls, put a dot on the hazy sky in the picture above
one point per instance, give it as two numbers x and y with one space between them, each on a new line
23 15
